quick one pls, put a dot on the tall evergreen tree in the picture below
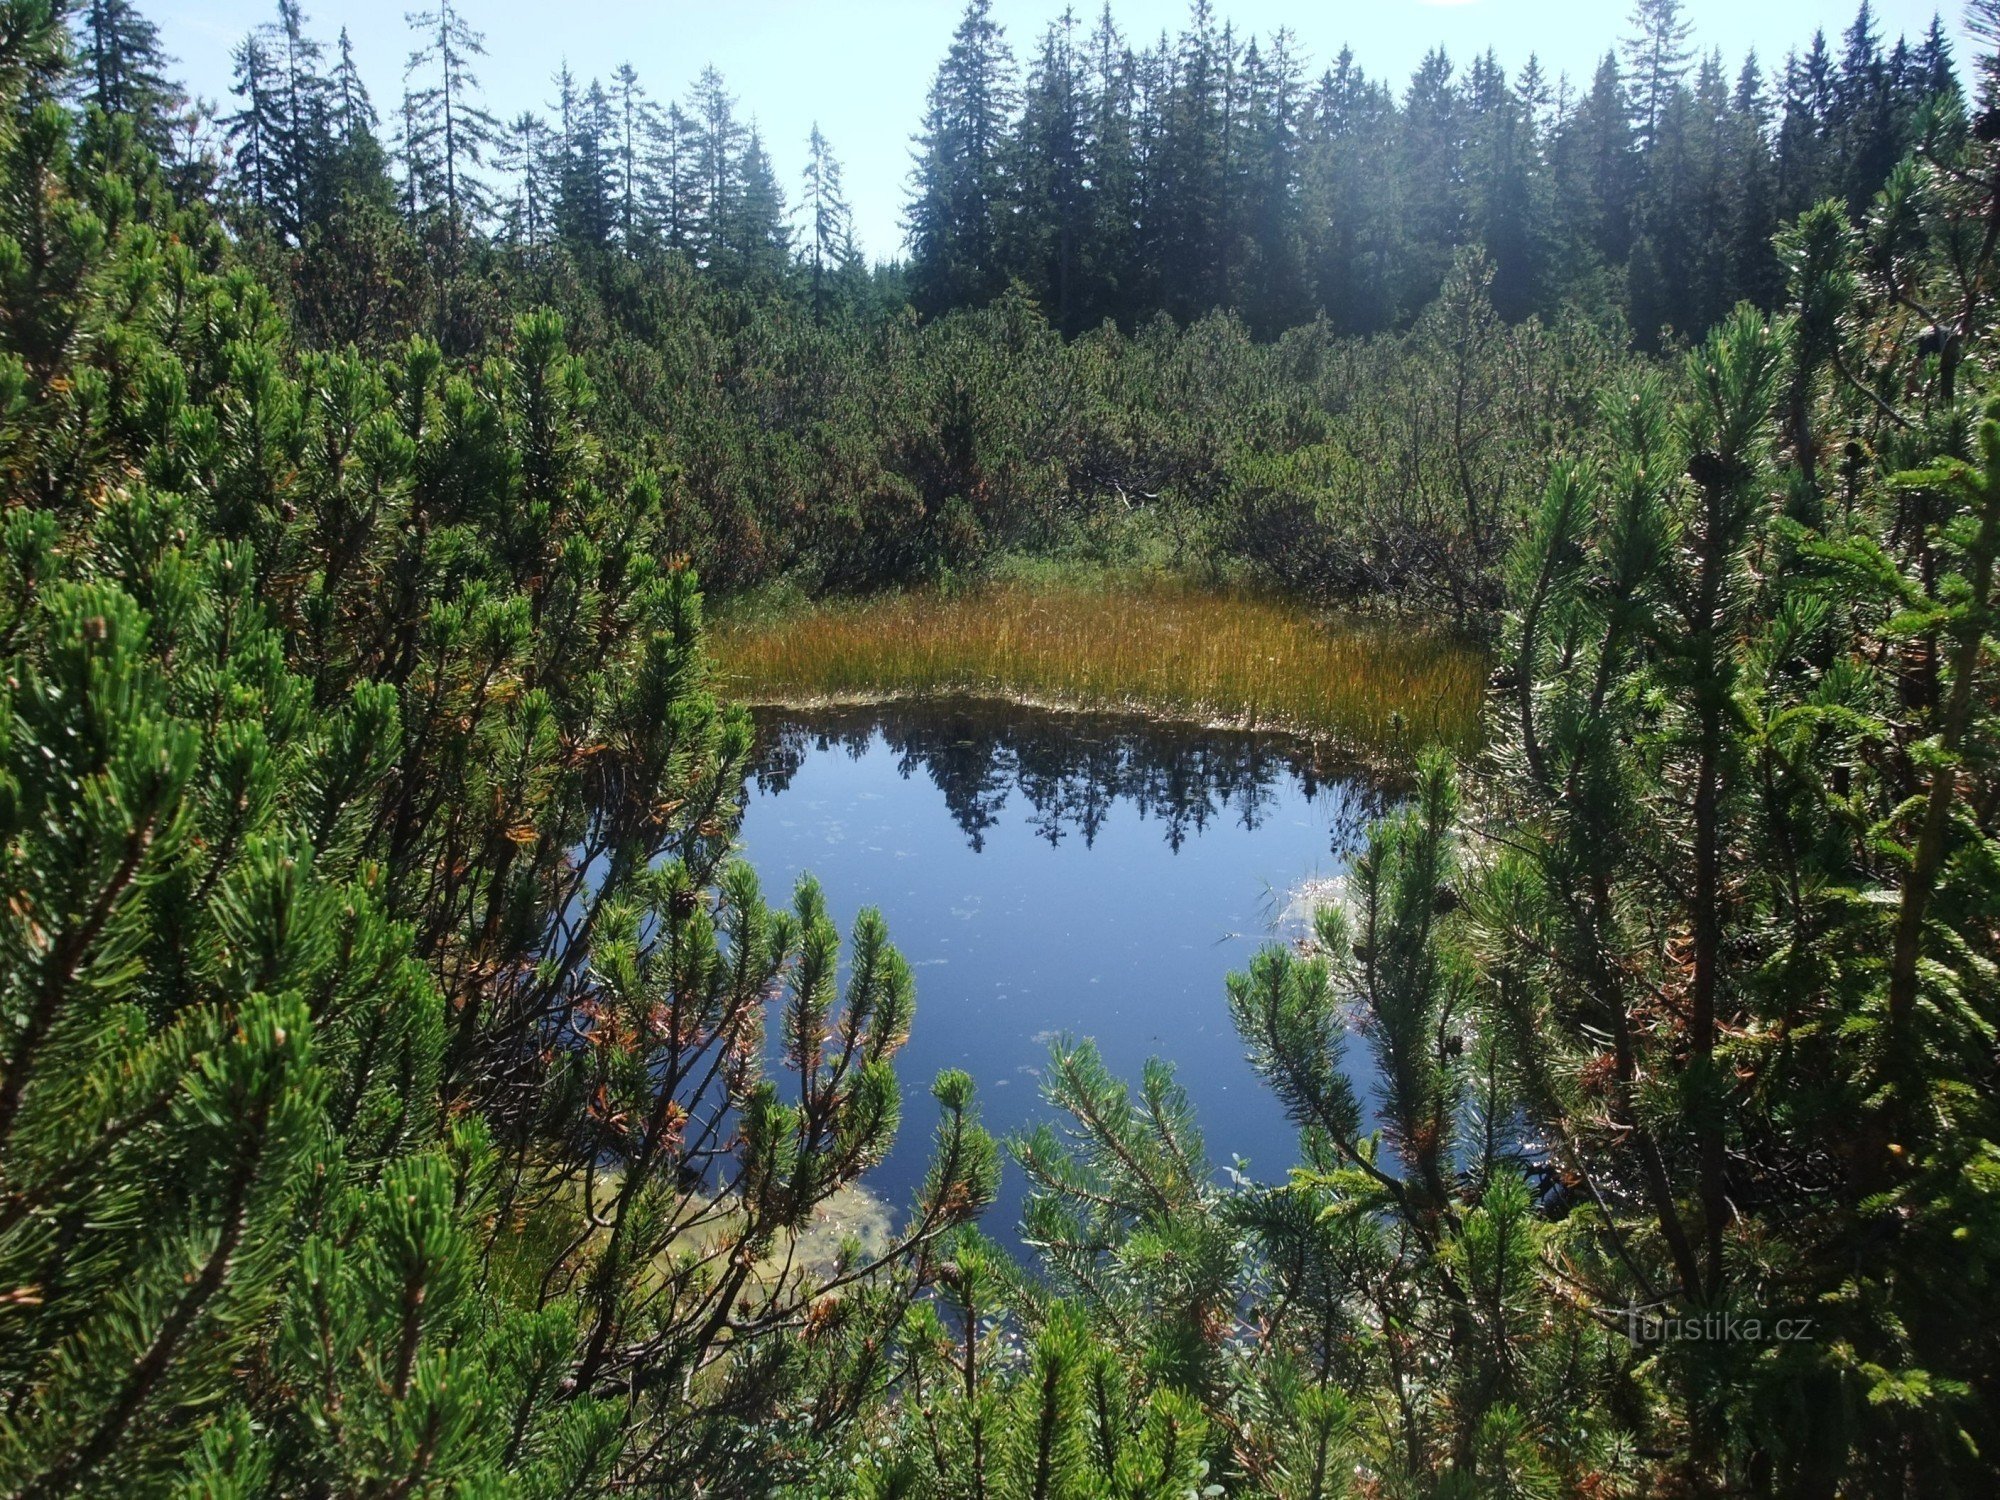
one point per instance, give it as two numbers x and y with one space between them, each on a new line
1658 52
305 136
959 187
1510 198
1751 265
1189 190
1870 122
1108 263
528 155
1595 174
672 179
828 245
636 124
757 237
125 71
716 149
1270 269
587 206
253 131
1349 200
1435 205
357 166
449 132
1047 217
1807 167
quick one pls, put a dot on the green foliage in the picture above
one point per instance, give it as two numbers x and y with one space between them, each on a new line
1677 1171
383 1099
403 1089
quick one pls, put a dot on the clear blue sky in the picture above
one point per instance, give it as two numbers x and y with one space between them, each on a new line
861 69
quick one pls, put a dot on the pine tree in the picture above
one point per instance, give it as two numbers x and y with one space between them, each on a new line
335 1079
1982 20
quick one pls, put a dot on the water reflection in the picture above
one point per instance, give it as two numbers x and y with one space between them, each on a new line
1049 874
1069 770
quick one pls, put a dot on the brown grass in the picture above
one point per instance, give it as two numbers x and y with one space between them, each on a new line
1153 645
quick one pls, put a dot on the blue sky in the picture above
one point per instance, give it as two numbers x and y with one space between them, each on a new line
861 69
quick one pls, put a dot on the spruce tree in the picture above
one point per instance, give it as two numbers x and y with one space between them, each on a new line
1657 55
358 167
448 132
827 247
1271 269
588 203
635 126
302 133
125 72
1434 190
1046 219
1351 223
757 241
253 131
527 155
959 185
715 148
1188 193
1109 268
671 181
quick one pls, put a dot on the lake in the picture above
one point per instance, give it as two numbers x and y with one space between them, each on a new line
1055 873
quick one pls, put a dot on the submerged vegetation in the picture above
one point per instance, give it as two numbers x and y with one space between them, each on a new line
1156 645
404 1090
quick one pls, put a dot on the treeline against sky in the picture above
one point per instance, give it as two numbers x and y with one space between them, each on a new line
1218 170
1387 316
1115 178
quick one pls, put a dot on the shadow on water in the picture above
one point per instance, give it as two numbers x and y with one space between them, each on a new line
1052 874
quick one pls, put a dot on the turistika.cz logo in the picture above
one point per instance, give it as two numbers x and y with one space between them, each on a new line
1661 1323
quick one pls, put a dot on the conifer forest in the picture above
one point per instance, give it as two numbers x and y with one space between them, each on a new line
452 544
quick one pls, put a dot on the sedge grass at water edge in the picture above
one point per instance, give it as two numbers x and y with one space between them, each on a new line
1155 646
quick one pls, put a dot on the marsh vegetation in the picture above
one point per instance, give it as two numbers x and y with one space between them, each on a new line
1181 650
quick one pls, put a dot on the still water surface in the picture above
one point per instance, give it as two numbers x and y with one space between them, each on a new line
1049 874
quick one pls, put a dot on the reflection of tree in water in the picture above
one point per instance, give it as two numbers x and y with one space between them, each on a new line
1070 769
